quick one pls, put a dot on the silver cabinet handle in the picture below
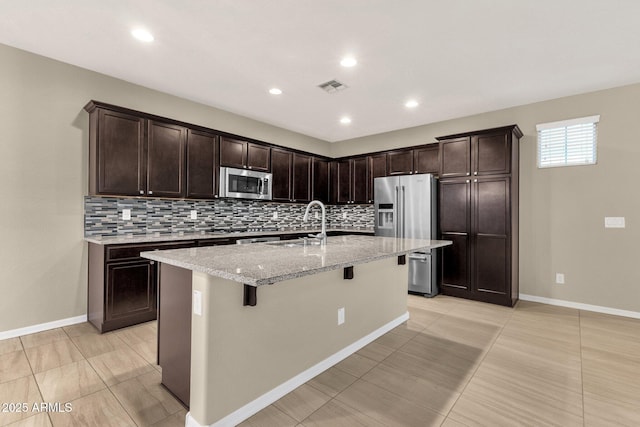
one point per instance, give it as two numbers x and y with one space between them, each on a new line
141 191
475 180
150 192
468 174
250 167
468 180
475 173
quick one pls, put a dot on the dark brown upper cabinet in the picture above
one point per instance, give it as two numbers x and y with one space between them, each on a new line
166 159
281 168
134 156
201 165
400 162
476 155
320 180
244 155
352 181
291 176
427 159
116 153
301 178
377 168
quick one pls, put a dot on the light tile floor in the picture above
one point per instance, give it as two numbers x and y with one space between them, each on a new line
454 363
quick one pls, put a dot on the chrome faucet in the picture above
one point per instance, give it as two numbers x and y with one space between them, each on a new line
323 233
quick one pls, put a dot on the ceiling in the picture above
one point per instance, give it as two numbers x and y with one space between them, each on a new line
455 57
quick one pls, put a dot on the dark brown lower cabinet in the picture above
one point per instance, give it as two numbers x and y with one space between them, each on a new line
122 285
131 292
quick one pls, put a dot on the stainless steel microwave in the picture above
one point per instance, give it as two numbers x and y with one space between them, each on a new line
245 184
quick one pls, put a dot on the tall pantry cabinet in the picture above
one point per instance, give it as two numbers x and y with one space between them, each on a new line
478 210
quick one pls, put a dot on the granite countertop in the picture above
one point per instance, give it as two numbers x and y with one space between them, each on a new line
159 237
263 263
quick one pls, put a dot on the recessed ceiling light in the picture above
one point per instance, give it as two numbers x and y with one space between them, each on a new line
275 91
142 35
348 61
412 103
345 120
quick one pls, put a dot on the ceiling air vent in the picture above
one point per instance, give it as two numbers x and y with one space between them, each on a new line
332 86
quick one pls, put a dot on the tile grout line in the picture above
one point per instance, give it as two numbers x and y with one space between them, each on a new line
581 364
34 379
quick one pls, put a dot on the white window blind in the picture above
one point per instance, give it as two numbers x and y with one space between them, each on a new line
568 142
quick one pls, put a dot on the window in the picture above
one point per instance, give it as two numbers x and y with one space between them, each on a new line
568 142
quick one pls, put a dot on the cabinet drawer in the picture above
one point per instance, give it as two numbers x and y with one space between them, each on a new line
124 252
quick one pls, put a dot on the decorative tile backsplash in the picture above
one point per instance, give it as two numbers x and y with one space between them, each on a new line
103 216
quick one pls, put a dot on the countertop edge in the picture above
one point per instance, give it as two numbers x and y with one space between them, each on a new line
157 256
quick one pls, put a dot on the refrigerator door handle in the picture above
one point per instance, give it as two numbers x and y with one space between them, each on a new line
397 219
403 218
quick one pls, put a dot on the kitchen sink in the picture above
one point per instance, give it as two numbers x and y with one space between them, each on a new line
295 243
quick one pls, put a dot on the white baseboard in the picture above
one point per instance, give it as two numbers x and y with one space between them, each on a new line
268 398
42 327
581 306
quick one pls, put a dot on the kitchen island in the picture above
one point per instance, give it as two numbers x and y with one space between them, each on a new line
230 346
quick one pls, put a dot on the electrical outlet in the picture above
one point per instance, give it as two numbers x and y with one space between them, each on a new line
344 215
197 303
126 214
194 214
560 278
341 316
275 215
614 222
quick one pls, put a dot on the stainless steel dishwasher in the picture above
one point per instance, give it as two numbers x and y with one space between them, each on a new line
420 274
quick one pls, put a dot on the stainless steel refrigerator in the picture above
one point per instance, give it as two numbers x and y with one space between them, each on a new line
405 206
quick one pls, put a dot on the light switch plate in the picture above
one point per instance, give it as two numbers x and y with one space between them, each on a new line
341 316
194 214
197 303
317 215
560 278
614 222
126 214
275 215
344 215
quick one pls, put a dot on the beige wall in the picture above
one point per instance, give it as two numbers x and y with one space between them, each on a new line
562 210
43 167
240 353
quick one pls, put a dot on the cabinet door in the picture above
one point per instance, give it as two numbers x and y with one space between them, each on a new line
301 179
166 160
455 157
233 153
455 225
120 154
427 159
491 154
400 162
281 165
258 157
320 180
491 226
343 182
360 180
201 167
131 292
377 168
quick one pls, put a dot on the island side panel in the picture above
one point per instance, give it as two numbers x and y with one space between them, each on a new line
240 353
174 329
